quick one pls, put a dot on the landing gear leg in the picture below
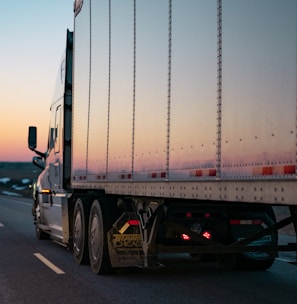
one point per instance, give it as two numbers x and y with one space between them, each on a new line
149 213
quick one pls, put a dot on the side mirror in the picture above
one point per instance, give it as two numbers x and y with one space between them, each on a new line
32 138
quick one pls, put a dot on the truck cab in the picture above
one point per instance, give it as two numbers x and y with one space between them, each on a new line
50 198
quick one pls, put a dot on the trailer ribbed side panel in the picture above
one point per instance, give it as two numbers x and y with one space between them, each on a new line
184 91
259 88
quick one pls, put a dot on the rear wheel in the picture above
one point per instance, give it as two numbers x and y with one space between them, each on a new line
252 261
248 262
80 232
98 245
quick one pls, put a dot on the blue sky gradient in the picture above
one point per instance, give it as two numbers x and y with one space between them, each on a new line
33 36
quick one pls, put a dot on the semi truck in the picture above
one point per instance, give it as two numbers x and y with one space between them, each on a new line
172 130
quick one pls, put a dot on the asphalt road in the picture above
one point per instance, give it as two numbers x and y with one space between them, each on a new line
24 278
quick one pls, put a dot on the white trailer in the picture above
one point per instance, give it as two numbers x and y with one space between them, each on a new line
173 129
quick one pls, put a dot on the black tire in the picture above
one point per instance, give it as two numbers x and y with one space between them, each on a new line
40 234
256 265
80 232
242 261
98 246
246 263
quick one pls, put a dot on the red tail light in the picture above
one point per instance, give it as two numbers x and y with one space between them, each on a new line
207 235
185 237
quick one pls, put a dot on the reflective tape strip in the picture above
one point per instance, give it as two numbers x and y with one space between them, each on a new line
81 177
274 170
128 224
203 172
133 222
125 176
246 222
124 228
161 174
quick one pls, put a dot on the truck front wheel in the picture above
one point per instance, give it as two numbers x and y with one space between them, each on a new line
98 246
40 234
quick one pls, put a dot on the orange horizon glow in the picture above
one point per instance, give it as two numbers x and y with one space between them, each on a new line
14 147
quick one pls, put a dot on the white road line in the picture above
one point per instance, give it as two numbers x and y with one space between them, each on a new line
1 225
49 264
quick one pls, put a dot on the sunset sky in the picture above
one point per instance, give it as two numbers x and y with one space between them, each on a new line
259 78
33 36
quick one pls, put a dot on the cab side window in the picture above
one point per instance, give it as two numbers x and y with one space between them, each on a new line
57 129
